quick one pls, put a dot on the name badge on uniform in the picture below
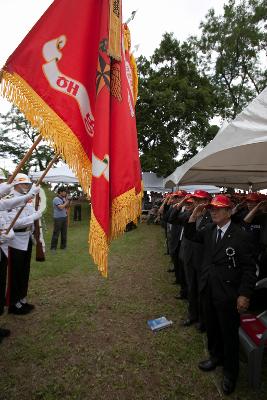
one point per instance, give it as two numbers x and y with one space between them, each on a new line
230 252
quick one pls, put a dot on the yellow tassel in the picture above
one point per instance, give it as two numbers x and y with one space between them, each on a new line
125 208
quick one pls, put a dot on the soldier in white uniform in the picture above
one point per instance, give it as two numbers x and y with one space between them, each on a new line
7 204
20 249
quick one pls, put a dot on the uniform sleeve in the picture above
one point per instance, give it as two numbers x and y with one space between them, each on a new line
176 217
248 264
21 222
8 204
171 215
4 189
191 232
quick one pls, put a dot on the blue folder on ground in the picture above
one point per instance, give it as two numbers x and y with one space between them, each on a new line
159 323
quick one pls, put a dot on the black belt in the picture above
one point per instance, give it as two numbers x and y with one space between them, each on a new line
22 230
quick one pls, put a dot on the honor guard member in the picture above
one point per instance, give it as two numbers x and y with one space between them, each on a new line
21 248
175 235
6 204
227 280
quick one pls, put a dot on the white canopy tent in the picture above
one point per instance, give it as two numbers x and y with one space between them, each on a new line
153 183
61 174
236 157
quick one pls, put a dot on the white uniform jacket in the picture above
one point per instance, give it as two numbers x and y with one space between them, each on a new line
4 224
23 227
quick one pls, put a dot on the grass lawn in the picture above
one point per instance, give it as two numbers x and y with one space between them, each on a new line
88 338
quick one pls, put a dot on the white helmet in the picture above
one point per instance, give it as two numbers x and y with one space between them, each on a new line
21 178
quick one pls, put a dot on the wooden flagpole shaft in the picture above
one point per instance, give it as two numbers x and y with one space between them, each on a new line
37 183
25 158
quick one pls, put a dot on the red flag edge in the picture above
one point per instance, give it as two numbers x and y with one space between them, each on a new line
52 128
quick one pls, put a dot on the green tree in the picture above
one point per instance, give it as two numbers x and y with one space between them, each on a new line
231 48
174 107
17 136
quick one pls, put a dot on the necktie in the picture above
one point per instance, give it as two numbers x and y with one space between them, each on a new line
219 235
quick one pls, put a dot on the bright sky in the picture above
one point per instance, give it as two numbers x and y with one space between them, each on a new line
153 18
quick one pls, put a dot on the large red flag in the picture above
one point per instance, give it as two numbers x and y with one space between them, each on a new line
73 79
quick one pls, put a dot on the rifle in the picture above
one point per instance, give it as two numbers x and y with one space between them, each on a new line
40 254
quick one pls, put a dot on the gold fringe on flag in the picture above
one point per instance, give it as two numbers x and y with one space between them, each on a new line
135 77
125 208
52 128
98 245
115 20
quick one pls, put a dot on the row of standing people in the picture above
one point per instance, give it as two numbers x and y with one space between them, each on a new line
218 254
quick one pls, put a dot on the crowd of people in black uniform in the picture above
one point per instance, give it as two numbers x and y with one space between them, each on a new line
218 249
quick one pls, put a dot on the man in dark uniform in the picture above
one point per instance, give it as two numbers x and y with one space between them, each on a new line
193 265
227 281
177 217
163 211
175 238
192 253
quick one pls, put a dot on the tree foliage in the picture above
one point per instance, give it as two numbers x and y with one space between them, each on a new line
174 107
17 136
232 47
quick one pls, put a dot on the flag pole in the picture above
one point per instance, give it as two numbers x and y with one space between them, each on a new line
37 184
25 158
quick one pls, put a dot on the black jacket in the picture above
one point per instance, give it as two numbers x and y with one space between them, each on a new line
226 280
177 219
191 251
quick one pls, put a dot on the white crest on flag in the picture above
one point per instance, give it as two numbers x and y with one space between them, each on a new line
61 82
100 167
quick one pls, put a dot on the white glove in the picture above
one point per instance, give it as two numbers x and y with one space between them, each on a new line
5 188
37 215
5 237
34 190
